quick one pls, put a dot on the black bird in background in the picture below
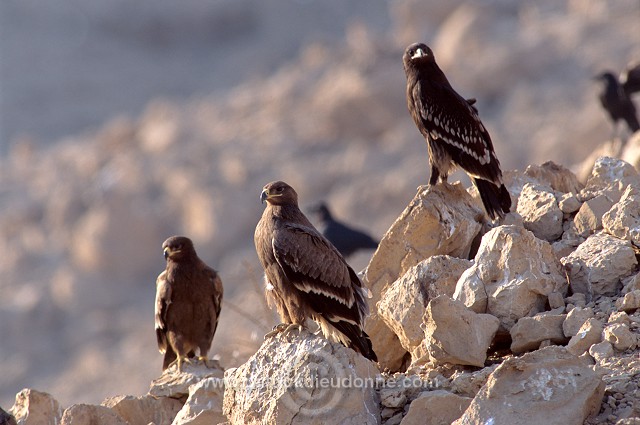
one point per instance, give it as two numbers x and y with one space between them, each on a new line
615 96
347 239
454 133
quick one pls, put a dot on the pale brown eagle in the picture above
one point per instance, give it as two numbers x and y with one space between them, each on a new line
188 298
307 278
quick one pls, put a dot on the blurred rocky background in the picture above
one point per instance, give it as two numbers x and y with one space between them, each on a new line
123 123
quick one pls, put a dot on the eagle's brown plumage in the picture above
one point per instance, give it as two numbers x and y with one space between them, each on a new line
454 133
307 278
188 298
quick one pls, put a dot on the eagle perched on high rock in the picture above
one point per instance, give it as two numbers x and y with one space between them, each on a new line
188 298
454 133
307 278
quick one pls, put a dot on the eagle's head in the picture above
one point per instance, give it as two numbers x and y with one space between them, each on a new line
279 193
178 247
417 54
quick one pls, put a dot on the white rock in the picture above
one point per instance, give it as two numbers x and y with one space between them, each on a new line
402 305
204 405
598 265
88 414
548 386
623 220
300 378
173 383
540 211
435 408
512 275
631 283
619 317
588 220
145 409
468 383
529 332
630 301
609 171
556 300
577 299
393 397
589 333
557 177
574 320
619 335
36 408
454 334
440 220
569 204
601 351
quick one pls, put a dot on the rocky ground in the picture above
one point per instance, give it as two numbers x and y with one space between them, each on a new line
82 219
532 320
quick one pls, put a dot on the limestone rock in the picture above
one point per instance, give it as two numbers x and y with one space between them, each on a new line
619 317
529 332
402 305
559 178
399 388
440 220
36 408
204 405
609 171
512 276
569 203
556 300
589 333
562 248
300 378
469 383
623 220
577 299
435 408
631 283
574 320
601 351
175 384
620 337
393 397
597 266
88 414
548 386
588 220
145 409
630 301
540 211
455 334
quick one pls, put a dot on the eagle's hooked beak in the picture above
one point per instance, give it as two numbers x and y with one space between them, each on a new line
166 253
419 53
264 195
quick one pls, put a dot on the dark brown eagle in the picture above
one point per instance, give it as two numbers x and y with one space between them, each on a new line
307 278
188 298
454 133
